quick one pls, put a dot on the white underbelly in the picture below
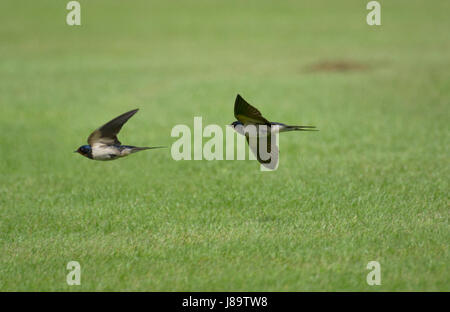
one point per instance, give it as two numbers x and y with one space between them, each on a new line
105 153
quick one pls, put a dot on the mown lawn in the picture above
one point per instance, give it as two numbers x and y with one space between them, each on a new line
371 185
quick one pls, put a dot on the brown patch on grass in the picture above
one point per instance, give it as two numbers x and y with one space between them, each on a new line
337 66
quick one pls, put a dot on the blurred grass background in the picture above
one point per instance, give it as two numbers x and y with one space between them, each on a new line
371 185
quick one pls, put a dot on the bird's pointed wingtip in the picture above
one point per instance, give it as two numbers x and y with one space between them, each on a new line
131 112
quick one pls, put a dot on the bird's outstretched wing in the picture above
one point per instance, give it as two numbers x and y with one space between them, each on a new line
246 113
107 134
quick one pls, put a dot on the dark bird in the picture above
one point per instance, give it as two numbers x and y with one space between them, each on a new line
103 142
248 115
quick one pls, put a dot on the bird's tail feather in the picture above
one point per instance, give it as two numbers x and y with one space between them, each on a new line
134 149
137 149
301 128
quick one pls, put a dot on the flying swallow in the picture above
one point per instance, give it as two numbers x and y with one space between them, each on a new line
103 143
262 136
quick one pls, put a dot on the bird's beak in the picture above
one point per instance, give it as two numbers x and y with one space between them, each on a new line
75 151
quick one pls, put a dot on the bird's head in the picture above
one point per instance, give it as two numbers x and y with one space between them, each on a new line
236 123
85 150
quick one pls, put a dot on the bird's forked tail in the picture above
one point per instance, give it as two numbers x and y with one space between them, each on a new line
137 149
301 128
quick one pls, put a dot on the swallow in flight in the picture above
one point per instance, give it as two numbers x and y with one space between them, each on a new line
261 140
103 143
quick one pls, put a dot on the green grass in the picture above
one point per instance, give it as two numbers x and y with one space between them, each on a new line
371 185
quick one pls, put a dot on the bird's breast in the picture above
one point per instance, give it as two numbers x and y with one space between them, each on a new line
105 152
